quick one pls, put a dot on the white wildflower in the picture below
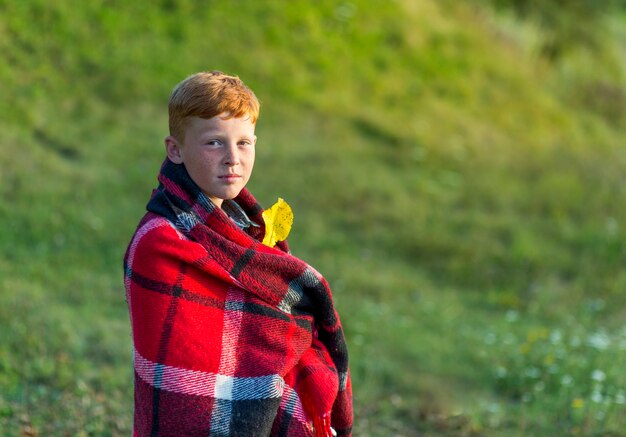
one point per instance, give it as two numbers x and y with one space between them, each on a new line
598 375
599 340
511 316
567 380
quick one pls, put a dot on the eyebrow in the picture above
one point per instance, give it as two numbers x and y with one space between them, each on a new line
221 136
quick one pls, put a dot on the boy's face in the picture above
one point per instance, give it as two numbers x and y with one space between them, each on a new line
218 154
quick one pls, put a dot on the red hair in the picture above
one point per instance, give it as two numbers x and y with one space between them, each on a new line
208 94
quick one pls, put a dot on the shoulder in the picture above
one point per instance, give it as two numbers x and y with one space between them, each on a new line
153 231
157 240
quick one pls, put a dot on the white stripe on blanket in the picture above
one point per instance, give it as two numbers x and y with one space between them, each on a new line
292 405
222 411
195 382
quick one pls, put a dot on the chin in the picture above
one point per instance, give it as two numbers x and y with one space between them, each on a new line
231 195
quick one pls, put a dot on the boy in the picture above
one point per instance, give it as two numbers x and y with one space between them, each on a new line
231 337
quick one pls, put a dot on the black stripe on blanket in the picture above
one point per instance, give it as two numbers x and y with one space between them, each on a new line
165 340
242 262
164 288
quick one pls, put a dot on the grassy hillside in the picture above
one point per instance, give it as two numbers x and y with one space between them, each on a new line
460 186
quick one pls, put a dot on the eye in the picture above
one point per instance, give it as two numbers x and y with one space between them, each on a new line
213 143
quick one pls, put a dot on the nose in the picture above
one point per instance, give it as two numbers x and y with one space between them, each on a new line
231 157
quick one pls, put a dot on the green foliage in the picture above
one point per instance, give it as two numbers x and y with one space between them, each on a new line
566 24
461 191
561 376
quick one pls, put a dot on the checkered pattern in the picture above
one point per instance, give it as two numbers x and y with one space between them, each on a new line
231 337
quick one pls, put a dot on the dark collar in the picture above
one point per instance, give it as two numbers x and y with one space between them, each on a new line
237 215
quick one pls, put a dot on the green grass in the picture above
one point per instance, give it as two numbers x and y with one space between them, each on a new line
462 192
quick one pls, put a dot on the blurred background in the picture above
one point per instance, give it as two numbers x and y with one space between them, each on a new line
456 170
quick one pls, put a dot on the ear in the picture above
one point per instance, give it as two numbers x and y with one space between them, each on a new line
172 148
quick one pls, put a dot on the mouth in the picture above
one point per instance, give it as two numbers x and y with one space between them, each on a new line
230 177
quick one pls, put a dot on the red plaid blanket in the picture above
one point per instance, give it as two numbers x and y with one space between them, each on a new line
231 337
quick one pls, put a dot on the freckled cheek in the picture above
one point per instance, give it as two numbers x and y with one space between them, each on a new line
250 164
249 172
205 172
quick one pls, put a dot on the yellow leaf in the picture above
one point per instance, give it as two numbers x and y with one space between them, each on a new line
278 220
